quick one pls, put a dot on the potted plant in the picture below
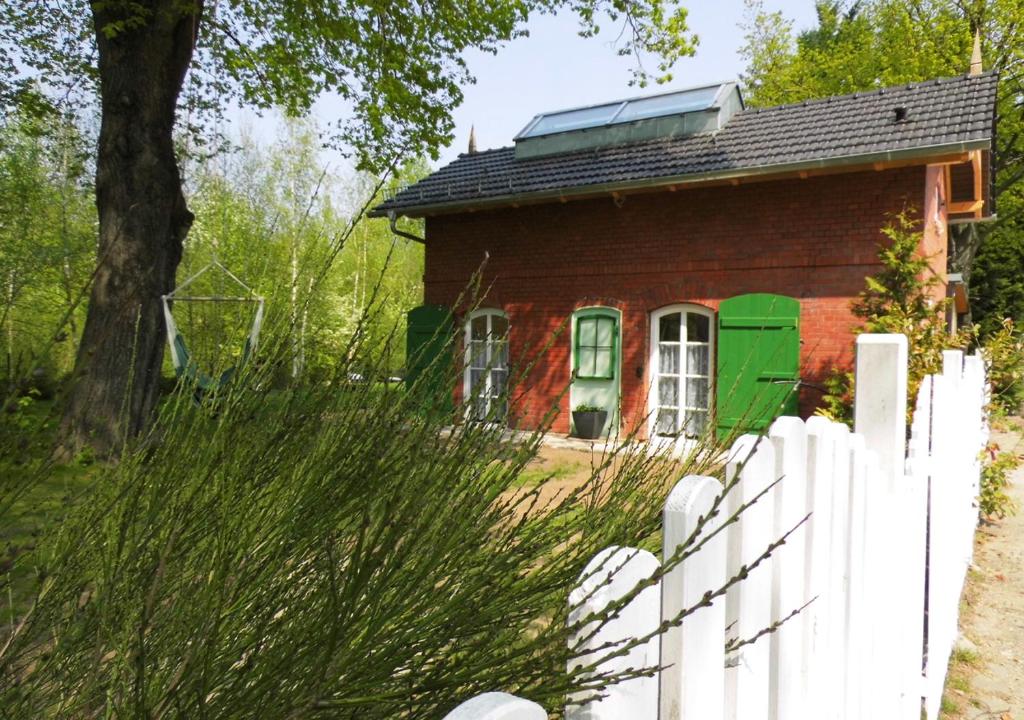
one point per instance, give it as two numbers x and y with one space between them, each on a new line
589 420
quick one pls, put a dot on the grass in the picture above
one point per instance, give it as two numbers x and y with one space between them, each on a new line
958 684
533 476
34 497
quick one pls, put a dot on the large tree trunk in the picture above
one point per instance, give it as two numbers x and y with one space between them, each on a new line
143 220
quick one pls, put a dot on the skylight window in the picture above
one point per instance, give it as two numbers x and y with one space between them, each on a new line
674 103
572 120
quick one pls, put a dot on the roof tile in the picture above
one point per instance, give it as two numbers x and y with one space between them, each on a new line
939 112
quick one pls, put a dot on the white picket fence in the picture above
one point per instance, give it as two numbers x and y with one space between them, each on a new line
881 560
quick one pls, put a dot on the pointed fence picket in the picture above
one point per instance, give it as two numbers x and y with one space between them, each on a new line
693 652
609 578
881 535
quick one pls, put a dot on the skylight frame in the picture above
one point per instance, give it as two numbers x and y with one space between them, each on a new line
715 102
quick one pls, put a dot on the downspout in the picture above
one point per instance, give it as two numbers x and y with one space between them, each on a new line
393 221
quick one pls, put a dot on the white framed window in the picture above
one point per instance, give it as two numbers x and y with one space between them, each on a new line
682 363
486 365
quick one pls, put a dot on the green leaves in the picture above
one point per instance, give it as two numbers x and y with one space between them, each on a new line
854 47
47 243
398 64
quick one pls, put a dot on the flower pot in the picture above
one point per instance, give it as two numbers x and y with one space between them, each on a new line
589 424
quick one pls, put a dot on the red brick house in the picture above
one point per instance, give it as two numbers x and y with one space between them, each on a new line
698 254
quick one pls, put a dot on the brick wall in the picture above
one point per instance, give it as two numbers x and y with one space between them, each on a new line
814 239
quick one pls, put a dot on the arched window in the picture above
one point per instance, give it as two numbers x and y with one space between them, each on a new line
682 341
486 373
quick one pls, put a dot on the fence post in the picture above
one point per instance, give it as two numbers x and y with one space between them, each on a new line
748 608
611 575
880 416
497 706
692 684
786 687
880 400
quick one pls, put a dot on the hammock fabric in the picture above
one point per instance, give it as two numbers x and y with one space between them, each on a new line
185 366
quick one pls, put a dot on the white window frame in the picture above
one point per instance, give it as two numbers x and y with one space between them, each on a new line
654 361
467 373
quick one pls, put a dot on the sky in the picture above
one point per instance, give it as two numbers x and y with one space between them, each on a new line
554 69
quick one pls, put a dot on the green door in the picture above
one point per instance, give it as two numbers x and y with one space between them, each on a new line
758 362
428 365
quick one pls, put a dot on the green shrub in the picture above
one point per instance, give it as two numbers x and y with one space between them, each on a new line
996 466
898 299
837 401
321 551
1004 358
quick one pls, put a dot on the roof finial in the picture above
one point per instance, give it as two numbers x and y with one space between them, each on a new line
472 140
976 54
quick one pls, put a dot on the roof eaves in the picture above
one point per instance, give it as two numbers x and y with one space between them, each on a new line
916 153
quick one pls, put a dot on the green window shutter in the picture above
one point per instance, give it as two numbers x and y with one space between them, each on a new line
596 346
428 355
758 362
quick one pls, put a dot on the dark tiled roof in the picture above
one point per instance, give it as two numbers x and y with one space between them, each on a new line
941 114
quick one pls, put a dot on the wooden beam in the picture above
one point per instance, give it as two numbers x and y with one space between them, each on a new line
955 159
947 175
967 206
979 196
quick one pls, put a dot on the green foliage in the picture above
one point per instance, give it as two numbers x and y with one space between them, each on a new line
837 400
317 551
398 65
47 246
996 466
584 407
273 215
1004 358
997 277
900 298
281 221
854 47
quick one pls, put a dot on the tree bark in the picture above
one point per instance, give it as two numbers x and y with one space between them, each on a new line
143 220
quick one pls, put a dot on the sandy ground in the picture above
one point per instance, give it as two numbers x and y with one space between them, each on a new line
989 683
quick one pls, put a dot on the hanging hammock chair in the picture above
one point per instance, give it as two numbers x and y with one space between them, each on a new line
186 366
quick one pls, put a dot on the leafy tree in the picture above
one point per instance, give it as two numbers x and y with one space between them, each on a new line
877 43
274 215
46 244
398 64
997 280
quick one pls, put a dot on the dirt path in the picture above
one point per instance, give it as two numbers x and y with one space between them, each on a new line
988 683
